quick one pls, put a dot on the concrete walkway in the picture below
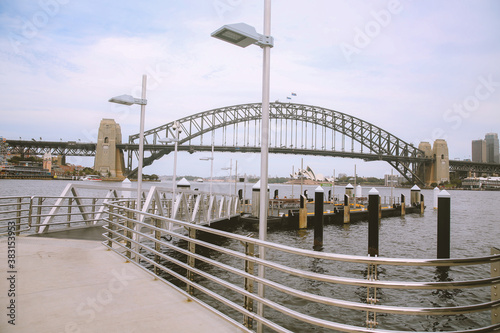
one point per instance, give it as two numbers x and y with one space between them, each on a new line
77 286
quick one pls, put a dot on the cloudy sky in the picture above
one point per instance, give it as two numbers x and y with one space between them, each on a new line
421 70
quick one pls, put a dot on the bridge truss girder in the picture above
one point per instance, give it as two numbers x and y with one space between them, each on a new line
489 168
293 128
71 148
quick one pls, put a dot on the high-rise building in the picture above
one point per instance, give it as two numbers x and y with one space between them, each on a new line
492 148
479 151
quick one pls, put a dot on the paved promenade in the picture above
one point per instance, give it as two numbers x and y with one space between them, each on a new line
77 286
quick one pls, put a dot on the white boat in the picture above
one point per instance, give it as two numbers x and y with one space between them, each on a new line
92 178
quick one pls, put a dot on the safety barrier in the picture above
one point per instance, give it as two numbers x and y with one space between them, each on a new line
297 288
81 205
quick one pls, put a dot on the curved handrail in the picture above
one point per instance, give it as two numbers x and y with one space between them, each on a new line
117 231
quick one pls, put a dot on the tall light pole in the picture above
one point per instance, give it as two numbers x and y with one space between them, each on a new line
177 130
230 168
242 35
236 179
211 166
129 100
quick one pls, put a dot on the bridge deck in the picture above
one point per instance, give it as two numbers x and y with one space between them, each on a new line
72 285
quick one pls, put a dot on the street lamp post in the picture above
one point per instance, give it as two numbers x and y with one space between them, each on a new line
129 100
236 178
242 35
175 140
177 130
230 168
211 166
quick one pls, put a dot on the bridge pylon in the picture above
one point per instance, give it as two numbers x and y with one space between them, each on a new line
438 171
109 161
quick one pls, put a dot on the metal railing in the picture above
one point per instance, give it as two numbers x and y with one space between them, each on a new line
41 214
219 270
35 214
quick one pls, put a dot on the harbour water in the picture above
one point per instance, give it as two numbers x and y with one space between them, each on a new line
475 228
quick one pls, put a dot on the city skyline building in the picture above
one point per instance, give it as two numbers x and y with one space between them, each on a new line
479 151
492 153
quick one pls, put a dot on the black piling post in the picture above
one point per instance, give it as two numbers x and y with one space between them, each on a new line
403 205
319 195
422 204
443 227
373 222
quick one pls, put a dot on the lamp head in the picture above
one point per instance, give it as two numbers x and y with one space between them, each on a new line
240 34
127 100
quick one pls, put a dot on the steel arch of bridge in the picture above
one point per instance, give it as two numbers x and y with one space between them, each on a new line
294 129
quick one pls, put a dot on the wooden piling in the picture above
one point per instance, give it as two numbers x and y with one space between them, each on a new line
303 212
414 195
347 209
436 193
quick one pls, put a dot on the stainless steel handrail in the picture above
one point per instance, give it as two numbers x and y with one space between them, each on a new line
487 282
301 294
123 224
29 211
329 256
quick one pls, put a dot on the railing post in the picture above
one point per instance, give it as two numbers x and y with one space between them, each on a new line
39 214
94 200
157 246
70 203
371 296
191 260
128 233
30 212
111 226
443 227
249 268
18 215
495 289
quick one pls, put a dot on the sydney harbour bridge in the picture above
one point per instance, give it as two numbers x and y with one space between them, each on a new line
293 129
